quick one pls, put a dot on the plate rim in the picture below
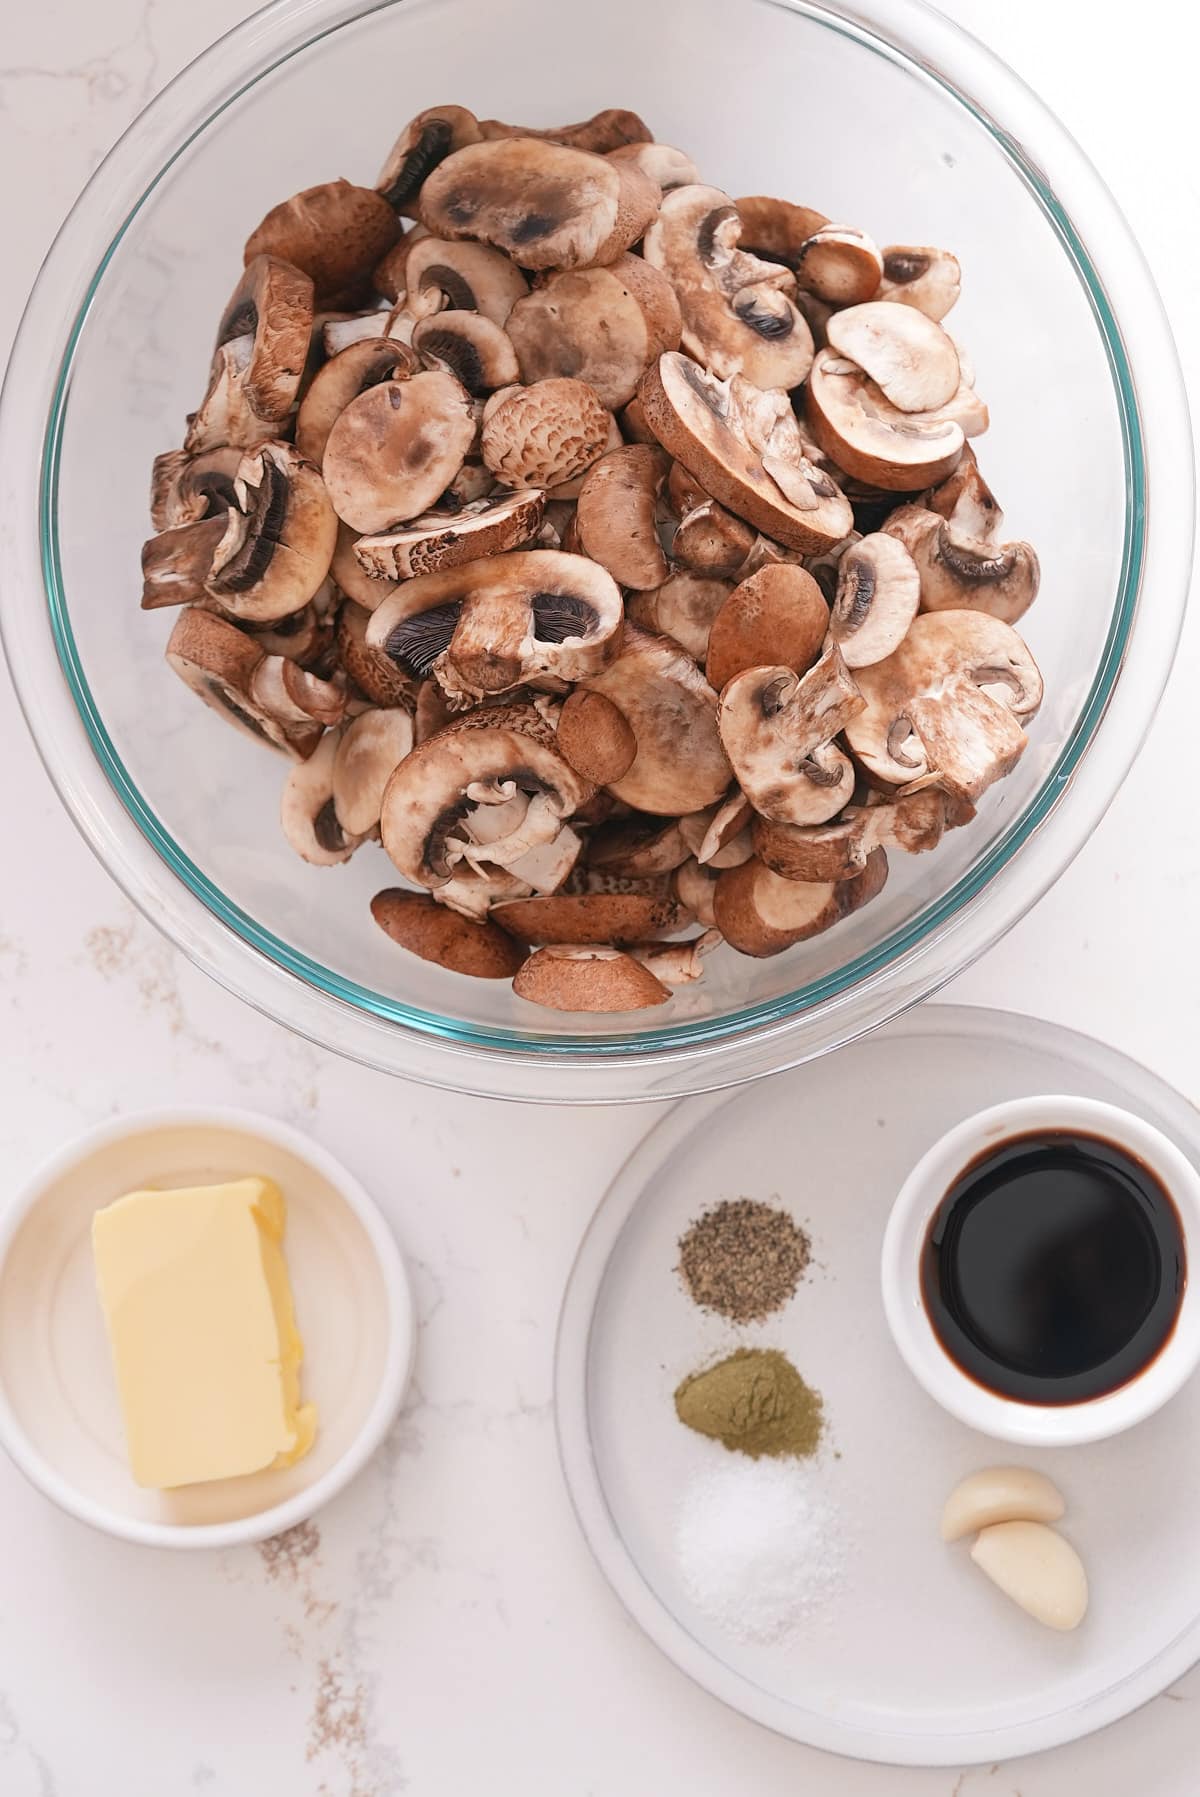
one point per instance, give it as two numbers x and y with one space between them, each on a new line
586 1494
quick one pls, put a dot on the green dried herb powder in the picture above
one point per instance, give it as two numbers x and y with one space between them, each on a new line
755 1403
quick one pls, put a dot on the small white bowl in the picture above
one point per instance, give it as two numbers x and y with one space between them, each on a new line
1036 1425
60 1419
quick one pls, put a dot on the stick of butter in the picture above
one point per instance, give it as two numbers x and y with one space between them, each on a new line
199 1309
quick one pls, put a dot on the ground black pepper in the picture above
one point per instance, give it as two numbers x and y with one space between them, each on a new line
743 1259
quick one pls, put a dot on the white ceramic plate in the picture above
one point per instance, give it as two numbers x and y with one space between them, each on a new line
59 1414
919 1660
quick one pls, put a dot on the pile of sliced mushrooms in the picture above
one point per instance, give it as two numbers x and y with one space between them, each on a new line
609 549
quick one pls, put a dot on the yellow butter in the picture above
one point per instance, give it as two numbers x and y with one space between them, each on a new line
199 1309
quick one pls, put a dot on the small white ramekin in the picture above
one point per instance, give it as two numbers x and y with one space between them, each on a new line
60 1420
1036 1425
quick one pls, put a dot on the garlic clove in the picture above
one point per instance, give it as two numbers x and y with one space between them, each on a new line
1038 1568
1000 1494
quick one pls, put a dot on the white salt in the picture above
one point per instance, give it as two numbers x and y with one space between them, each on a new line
759 1546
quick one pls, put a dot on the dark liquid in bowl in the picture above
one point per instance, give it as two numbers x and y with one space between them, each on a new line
1054 1268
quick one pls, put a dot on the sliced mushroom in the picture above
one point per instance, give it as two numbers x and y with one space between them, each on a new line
595 737
778 729
580 978
711 541
908 355
260 354
959 571
459 944
777 229
915 822
878 594
603 917
601 325
695 887
335 233
185 488
633 423
860 430
680 764
616 515
760 914
374 673
424 143
432 712
503 621
916 275
447 539
636 847
542 435
947 707
305 636
371 748
488 792
604 132
365 364
666 167
720 837
390 275
310 822
218 662
283 690
461 277
737 318
396 448
470 347
544 205
840 265
776 617
676 963
349 575
715 428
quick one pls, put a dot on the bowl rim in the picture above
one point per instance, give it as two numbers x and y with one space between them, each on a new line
394 1376
690 1054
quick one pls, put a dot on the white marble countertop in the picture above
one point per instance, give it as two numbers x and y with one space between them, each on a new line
441 1628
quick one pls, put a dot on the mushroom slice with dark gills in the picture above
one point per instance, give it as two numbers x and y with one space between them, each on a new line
470 347
395 449
776 229
908 355
588 978
218 662
778 729
961 565
604 132
948 706
759 913
261 350
840 265
489 794
364 364
531 617
840 849
185 488
600 325
308 813
424 143
335 233
446 538
544 205
544 435
441 275
737 316
859 429
262 559
918 275
877 597
739 444
680 765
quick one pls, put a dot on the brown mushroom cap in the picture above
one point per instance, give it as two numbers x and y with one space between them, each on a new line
544 205
447 539
862 432
310 822
543 435
365 364
374 673
778 729
708 425
600 325
948 705
424 142
606 917
918 275
878 594
370 749
604 132
840 265
914 822
776 229
218 662
776 617
908 356
617 511
461 277
470 347
633 423
759 913
459 944
736 317
571 977
394 450
634 848
336 233
595 738
680 764
683 608
260 355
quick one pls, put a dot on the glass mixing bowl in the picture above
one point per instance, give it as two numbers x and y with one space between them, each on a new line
881 113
